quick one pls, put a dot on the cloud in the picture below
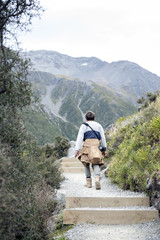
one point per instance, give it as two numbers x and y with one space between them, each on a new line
109 29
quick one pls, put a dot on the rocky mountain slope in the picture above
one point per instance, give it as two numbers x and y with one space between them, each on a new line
126 78
62 103
67 87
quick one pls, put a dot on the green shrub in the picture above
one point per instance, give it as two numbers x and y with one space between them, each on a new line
61 147
22 217
147 100
137 155
26 199
47 166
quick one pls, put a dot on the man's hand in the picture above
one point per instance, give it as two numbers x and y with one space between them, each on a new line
104 154
76 153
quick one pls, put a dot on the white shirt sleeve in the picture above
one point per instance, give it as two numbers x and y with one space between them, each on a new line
103 139
80 137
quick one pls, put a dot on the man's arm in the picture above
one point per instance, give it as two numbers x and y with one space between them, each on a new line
79 140
103 139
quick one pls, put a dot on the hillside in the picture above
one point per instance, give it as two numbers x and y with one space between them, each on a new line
62 103
134 148
126 78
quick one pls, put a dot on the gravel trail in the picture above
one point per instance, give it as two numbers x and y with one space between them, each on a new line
143 231
73 185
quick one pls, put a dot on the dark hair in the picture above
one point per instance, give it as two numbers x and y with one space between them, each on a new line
90 115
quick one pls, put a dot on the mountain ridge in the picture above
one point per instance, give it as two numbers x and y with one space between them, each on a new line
126 78
108 89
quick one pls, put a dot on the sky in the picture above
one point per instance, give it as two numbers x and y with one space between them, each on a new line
111 30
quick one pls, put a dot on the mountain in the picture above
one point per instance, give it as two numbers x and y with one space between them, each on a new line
62 103
124 77
67 87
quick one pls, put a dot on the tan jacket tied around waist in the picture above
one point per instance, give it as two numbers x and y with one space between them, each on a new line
90 152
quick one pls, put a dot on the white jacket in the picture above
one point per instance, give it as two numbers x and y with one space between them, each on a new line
85 132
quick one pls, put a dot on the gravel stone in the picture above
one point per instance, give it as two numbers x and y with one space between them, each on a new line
73 185
143 231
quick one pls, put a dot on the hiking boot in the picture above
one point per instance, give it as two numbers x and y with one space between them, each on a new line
97 183
88 183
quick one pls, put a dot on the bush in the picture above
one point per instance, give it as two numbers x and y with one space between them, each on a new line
48 167
61 147
21 215
147 100
26 191
23 181
26 199
137 155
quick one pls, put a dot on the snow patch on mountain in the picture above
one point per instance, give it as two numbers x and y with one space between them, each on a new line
84 64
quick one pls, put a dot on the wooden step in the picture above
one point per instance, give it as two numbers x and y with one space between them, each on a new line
74 202
108 216
73 169
65 159
71 164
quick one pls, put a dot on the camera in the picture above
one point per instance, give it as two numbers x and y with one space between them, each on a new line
102 149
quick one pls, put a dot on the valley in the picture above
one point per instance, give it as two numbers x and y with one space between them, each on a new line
65 88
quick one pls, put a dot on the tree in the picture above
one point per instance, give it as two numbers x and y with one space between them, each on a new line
14 15
22 186
15 90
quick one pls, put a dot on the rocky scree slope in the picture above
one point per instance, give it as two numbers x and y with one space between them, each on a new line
62 102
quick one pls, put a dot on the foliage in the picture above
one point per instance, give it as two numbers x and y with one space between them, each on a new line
148 99
61 147
68 129
60 229
16 14
25 193
47 163
39 125
25 198
134 150
120 120
69 108
109 106
43 128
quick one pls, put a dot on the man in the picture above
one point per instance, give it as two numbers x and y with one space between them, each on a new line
90 134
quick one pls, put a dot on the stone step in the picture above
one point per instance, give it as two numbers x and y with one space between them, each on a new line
71 164
108 216
65 159
73 169
74 202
